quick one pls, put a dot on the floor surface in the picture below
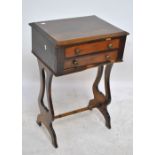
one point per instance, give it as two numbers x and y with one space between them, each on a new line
80 134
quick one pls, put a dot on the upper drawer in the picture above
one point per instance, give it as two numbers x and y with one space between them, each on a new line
91 47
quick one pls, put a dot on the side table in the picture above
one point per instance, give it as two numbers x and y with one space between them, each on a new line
71 45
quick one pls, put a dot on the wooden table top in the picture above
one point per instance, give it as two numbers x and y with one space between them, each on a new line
77 30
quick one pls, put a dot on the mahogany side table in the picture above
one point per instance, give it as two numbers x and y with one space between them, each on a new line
71 45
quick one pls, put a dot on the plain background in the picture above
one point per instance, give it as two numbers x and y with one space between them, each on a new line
76 88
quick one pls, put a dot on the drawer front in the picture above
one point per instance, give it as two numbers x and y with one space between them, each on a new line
91 48
91 59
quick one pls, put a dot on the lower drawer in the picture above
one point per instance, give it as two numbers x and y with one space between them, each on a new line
110 56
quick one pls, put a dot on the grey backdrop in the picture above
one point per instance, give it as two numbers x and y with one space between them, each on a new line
72 91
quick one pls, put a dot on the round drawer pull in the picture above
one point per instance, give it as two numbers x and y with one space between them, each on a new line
77 51
110 46
75 62
107 57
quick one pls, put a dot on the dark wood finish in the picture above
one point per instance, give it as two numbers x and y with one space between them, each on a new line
75 30
91 59
103 106
46 115
72 45
100 100
121 47
54 41
89 48
39 43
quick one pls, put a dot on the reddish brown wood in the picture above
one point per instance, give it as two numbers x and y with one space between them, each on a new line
89 48
91 59
72 112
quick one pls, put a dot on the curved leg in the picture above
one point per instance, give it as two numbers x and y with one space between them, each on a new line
51 111
103 107
46 115
104 111
99 97
107 83
42 107
45 118
48 91
100 100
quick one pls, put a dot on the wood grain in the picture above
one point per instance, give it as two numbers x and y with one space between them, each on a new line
55 43
91 48
75 30
91 59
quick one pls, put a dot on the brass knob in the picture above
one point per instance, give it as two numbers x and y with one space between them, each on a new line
77 51
110 46
107 57
75 62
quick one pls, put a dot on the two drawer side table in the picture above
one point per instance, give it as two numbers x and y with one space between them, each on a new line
71 45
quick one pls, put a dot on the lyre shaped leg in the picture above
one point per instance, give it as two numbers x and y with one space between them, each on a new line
100 100
42 107
48 91
46 115
107 82
99 97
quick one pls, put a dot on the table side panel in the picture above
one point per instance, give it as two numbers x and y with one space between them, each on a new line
44 50
121 48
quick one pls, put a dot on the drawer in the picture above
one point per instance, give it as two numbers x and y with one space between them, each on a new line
92 59
91 47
